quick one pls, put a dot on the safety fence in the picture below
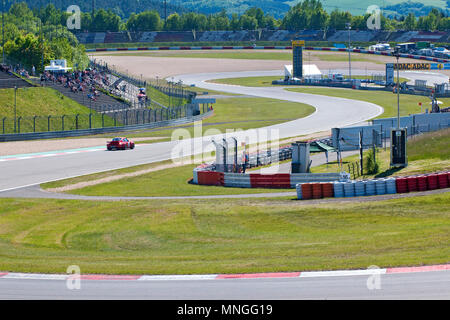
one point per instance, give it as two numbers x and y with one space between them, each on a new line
100 130
348 138
393 185
105 118
176 48
170 89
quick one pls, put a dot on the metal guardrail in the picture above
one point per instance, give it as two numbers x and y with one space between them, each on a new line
77 133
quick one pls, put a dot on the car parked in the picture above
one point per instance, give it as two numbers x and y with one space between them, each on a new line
120 143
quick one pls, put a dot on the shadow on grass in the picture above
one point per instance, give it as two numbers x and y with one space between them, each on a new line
388 172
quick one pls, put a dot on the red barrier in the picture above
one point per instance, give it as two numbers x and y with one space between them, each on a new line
317 191
443 180
432 181
422 184
210 178
327 190
307 191
412 184
274 181
402 185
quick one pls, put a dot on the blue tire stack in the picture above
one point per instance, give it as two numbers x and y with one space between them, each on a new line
370 187
338 189
360 188
299 191
380 186
391 186
349 189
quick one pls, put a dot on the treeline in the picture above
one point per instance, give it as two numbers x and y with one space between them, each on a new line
308 14
31 35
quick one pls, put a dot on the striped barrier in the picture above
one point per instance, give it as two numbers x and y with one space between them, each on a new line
192 48
341 189
205 175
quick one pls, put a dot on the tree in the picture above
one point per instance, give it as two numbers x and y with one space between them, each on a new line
173 23
248 22
144 21
410 22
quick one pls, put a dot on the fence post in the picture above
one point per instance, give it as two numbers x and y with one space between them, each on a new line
103 120
115 119
48 123
18 124
62 122
3 124
76 121
34 123
90 120
137 117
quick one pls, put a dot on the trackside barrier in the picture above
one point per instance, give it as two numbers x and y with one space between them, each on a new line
237 180
77 133
423 182
205 175
409 56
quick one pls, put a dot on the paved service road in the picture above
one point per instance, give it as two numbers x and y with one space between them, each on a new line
421 285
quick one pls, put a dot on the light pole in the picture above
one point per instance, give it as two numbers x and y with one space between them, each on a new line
349 27
396 54
15 109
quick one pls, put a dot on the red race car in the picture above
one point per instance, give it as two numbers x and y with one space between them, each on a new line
120 143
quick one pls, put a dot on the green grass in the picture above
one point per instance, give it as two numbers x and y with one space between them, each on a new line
268 55
236 113
168 182
44 102
267 81
426 153
409 104
221 236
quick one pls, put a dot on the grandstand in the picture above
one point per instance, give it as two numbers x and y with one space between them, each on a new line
265 35
8 80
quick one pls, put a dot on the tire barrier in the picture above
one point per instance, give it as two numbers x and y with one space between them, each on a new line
349 189
205 175
338 188
341 189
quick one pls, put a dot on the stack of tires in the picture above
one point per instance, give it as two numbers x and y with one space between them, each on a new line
380 186
317 191
349 189
391 186
338 189
327 190
402 185
307 191
360 188
443 180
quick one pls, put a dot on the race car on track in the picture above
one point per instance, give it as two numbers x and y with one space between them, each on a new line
120 144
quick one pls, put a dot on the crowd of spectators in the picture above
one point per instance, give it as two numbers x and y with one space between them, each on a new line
79 81
15 69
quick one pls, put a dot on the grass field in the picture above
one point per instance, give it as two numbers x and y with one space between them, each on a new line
241 113
44 102
267 81
285 55
221 236
409 104
167 182
426 153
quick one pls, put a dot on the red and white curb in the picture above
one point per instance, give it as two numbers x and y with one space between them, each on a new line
272 275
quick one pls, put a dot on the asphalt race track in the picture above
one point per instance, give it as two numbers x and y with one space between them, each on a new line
330 112
421 285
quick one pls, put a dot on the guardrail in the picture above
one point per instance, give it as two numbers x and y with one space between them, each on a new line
408 56
77 133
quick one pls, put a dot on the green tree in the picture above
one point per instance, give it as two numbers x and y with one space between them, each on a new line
173 23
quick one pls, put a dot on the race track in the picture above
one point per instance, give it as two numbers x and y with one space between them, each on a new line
330 112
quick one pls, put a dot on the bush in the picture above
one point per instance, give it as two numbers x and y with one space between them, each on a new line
370 162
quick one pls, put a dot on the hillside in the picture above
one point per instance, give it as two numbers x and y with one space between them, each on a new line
276 8
121 7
